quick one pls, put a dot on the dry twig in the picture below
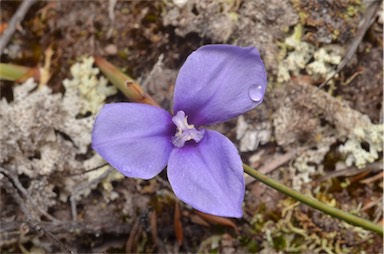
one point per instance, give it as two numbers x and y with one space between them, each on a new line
83 227
374 178
350 171
83 186
89 170
276 163
16 19
39 229
25 193
133 237
33 220
11 190
367 21
178 226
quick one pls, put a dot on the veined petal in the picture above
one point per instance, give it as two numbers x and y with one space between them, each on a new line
219 82
134 138
208 175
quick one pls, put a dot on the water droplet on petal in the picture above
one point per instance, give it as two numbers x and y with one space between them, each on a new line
256 92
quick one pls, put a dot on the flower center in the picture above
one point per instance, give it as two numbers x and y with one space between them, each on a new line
185 131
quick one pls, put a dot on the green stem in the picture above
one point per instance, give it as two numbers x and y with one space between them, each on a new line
17 73
347 217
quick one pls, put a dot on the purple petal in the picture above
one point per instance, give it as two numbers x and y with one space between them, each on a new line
134 138
219 82
208 175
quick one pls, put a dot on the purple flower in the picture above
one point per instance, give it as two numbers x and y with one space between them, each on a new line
215 84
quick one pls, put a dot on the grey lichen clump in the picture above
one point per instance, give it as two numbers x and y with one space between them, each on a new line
214 19
244 23
31 142
42 133
317 120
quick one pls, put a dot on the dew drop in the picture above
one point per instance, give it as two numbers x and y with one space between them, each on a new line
256 92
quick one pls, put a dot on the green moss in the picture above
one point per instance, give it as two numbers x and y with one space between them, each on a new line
279 242
253 247
214 251
250 244
151 17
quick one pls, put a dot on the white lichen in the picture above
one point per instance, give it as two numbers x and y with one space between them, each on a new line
324 63
86 87
359 155
252 135
180 3
297 55
309 162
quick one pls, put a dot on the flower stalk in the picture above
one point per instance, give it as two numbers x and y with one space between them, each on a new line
125 84
334 212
